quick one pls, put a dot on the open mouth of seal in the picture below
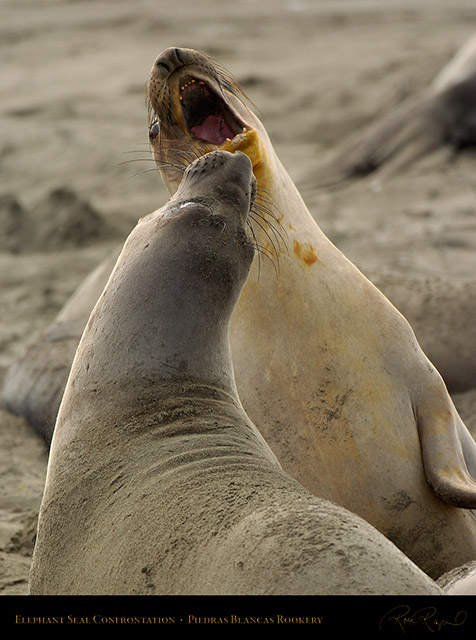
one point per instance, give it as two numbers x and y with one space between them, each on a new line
206 115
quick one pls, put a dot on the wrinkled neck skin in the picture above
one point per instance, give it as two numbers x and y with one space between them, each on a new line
153 377
160 328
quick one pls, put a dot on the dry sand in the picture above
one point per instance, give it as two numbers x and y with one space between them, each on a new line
73 112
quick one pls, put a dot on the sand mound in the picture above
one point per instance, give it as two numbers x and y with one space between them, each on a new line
60 220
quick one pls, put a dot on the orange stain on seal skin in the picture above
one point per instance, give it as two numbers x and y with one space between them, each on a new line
306 253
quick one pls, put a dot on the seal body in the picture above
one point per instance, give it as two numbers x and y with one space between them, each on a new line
324 363
35 383
158 482
445 116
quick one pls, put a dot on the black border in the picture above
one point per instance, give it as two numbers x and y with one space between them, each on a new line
375 616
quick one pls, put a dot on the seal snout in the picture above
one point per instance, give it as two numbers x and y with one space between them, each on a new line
224 176
169 60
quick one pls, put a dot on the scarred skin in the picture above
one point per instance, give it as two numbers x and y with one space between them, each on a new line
158 482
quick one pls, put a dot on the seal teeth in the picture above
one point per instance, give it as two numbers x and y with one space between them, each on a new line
182 88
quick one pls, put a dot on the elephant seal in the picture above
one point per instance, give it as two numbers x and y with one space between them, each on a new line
158 482
35 383
445 116
324 363
33 386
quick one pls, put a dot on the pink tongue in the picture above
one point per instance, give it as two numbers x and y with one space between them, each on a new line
213 129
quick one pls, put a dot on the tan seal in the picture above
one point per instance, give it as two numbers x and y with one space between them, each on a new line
325 365
158 483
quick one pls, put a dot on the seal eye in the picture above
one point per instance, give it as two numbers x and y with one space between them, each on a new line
153 130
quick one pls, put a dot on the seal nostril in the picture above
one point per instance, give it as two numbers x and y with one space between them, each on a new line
163 64
178 55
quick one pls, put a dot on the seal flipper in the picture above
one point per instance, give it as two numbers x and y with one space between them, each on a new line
469 447
449 457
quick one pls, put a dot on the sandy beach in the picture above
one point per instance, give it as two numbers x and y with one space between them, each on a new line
77 173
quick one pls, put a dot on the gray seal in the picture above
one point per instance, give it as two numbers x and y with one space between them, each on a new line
444 116
158 482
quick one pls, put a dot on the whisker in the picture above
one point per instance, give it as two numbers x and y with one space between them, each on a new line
264 208
262 227
170 165
256 245
280 240
136 160
272 255
264 196
151 151
135 175
156 169
260 250
186 155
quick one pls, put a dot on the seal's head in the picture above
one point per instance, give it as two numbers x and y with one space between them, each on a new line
203 231
167 305
196 106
